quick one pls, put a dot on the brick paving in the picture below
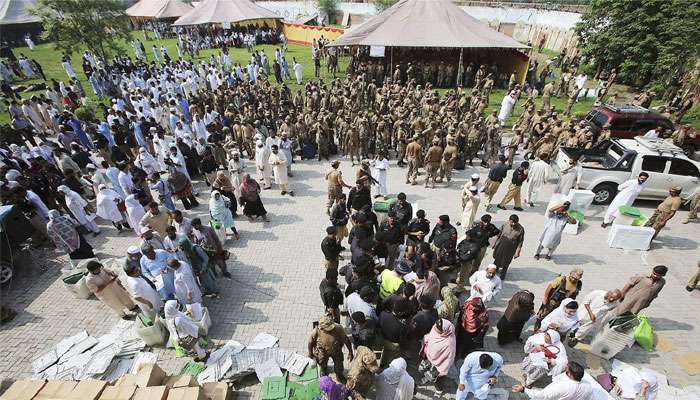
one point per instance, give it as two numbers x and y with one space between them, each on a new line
276 268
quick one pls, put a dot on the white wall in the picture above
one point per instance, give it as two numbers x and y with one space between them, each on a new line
530 16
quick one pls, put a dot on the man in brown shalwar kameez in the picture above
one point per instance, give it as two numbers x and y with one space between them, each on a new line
105 285
508 245
641 290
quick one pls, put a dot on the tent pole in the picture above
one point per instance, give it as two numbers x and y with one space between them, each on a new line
391 62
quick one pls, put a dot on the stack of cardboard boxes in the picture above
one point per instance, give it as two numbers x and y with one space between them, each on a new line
149 383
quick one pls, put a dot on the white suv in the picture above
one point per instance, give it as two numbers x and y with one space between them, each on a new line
612 162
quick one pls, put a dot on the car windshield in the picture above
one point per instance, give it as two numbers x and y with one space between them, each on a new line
613 154
597 118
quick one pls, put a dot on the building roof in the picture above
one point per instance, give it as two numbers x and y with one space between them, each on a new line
426 23
159 9
17 12
219 11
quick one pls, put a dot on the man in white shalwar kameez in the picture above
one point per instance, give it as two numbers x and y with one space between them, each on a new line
107 200
596 305
569 178
567 386
485 284
76 205
536 179
506 107
470 204
278 161
262 163
186 287
297 71
557 218
144 295
627 193
380 168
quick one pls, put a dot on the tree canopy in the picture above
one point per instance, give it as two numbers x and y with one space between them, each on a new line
383 4
99 25
647 41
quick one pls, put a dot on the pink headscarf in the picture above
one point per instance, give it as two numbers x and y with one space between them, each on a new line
440 347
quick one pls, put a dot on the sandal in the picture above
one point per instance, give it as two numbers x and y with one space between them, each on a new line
537 256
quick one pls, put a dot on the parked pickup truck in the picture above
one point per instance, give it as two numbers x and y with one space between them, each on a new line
614 161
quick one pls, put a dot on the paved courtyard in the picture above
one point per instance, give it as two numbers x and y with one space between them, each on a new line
276 270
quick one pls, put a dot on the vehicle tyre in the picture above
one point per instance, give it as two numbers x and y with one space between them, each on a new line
604 193
5 273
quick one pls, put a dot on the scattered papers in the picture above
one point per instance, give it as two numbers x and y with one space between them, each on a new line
262 341
144 357
82 356
267 369
296 364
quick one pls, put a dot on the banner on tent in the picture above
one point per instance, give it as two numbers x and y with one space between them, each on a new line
377 51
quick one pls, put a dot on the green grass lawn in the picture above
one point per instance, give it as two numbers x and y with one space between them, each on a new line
50 61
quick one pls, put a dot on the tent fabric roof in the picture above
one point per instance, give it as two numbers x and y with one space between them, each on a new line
17 12
218 11
426 23
158 9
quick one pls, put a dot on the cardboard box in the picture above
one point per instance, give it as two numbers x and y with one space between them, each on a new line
147 375
216 391
151 393
186 393
119 392
177 381
54 390
23 390
88 389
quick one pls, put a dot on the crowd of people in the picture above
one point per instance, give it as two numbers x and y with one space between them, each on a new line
406 296
171 123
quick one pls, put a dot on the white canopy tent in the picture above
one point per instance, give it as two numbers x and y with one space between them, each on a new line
225 11
158 9
14 12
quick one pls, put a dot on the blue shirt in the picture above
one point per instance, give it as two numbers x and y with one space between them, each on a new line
473 377
152 268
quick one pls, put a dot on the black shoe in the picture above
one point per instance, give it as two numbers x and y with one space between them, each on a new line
291 193
537 256
518 209
690 289
547 257
502 208
226 275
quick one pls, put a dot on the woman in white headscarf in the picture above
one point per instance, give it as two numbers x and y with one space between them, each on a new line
147 162
134 210
177 160
183 330
546 355
80 209
221 216
108 202
394 383
564 319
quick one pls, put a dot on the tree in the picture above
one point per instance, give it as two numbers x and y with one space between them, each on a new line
99 25
647 41
328 7
382 5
